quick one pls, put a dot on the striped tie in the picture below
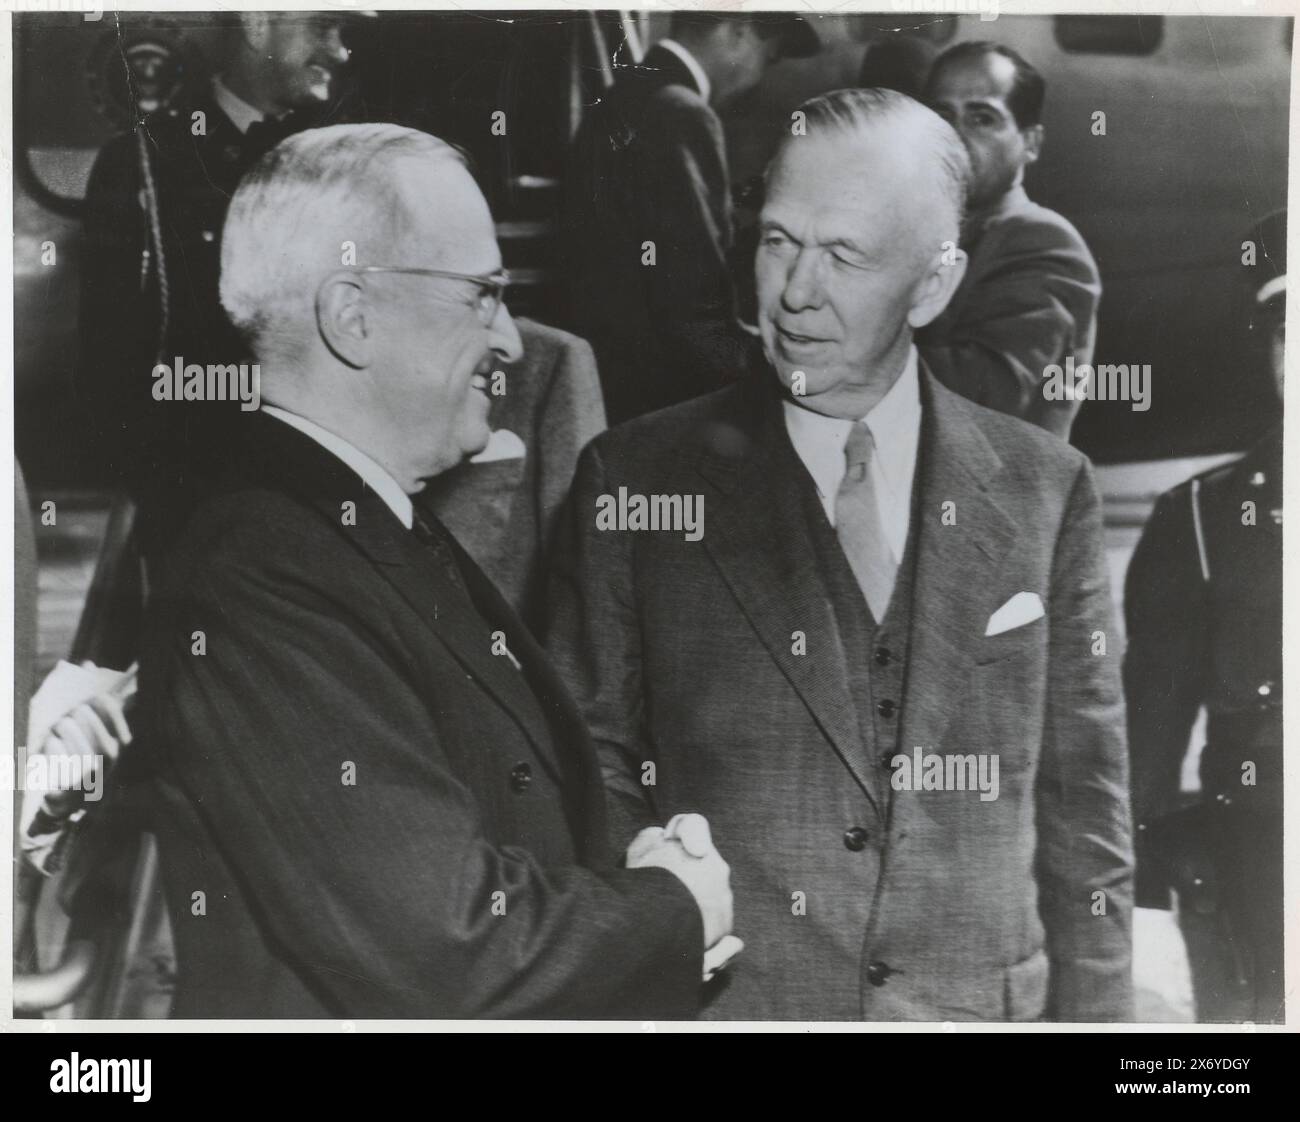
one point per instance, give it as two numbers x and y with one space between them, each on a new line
859 527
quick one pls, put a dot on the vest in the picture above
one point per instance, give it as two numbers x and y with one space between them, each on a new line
876 651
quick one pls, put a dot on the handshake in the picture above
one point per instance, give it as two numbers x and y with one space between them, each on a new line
685 848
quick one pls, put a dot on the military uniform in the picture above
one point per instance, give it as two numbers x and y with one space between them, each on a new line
137 311
1203 602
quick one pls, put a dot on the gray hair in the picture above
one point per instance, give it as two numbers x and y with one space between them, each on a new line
299 204
856 111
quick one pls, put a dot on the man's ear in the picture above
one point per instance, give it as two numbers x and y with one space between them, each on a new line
344 320
935 289
1033 142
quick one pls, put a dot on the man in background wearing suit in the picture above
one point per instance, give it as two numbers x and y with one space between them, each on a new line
502 504
648 211
880 669
151 290
376 799
1029 297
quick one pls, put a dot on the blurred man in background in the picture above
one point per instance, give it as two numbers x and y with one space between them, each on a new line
155 206
648 211
1029 298
1203 603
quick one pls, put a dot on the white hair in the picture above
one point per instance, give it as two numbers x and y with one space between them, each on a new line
857 111
298 205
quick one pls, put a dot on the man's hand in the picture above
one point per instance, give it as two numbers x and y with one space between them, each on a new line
685 848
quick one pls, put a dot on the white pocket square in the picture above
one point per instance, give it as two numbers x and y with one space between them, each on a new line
501 445
1022 608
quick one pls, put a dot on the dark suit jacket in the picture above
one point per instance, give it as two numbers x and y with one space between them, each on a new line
684 654
1028 300
142 442
649 165
503 511
384 818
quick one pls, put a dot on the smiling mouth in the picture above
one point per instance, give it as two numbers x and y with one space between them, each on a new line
794 339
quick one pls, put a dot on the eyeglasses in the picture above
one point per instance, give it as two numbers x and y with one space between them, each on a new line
492 286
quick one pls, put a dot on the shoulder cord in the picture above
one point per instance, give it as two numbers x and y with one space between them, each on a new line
1200 532
154 236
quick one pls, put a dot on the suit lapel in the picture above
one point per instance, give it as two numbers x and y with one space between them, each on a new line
325 483
758 539
953 589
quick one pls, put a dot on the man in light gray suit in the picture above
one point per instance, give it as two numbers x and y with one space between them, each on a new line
882 663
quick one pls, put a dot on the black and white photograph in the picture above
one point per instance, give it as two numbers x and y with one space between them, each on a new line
681 518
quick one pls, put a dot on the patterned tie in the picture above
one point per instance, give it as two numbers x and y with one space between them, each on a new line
858 524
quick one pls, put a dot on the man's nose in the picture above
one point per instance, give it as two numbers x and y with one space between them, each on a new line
803 287
332 46
504 336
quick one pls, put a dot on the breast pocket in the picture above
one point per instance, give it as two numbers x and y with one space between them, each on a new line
1027 639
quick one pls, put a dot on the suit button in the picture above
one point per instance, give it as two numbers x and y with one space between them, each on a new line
878 973
855 838
521 775
883 656
887 760
886 708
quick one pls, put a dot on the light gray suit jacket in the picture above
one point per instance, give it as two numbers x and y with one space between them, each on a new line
684 655
503 511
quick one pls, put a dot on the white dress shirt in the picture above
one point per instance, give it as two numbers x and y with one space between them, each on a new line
374 476
688 59
895 425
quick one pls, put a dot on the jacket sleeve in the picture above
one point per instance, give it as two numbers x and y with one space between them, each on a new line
594 641
686 211
319 766
1084 860
1165 669
1033 308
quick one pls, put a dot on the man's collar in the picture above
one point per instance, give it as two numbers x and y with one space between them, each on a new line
1011 201
242 115
894 421
372 474
689 61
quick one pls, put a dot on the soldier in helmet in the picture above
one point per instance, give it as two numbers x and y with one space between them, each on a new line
1203 603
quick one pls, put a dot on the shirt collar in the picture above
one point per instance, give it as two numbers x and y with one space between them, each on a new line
895 424
242 115
374 476
688 60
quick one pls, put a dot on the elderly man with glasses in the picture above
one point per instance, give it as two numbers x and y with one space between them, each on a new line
376 799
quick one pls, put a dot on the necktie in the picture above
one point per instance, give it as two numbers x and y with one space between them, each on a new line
436 543
858 524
